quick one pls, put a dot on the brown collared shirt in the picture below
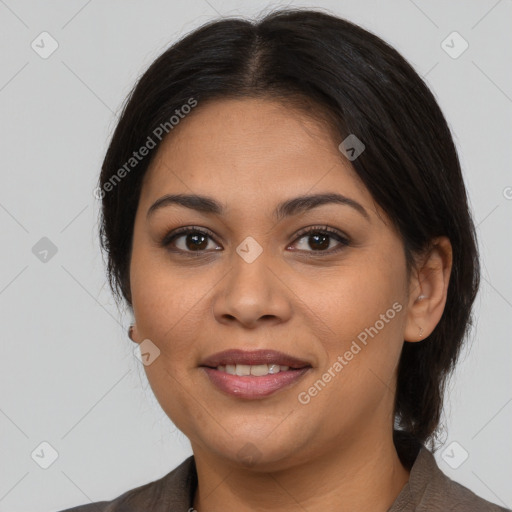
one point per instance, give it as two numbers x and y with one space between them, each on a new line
428 490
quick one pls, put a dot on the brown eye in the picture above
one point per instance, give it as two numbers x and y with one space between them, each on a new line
195 241
319 239
189 240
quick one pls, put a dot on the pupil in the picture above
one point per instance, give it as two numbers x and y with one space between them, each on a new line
195 243
323 245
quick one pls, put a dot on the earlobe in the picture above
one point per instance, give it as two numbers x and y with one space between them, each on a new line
428 290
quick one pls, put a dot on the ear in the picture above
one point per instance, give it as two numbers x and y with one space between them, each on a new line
428 289
133 333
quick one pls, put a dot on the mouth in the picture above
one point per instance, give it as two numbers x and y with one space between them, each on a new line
256 370
253 374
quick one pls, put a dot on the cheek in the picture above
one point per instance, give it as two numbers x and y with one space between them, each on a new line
363 295
378 312
363 305
167 308
164 296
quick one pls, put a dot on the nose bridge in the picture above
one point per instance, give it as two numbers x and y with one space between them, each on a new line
251 289
251 281
250 267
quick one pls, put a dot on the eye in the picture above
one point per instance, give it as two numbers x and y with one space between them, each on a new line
319 238
194 240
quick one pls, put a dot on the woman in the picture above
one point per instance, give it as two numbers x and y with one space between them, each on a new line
285 214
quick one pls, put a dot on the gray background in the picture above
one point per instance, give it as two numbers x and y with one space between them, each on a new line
68 375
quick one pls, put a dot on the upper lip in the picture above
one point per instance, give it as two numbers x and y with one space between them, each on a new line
253 357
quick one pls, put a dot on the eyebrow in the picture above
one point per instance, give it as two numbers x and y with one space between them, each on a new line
285 209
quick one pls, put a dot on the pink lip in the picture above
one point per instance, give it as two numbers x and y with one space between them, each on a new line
251 387
252 357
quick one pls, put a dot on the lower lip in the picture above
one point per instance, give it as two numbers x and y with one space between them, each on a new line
251 387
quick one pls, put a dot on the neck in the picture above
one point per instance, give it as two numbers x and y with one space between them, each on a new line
364 475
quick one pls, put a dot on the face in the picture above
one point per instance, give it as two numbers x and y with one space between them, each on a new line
320 288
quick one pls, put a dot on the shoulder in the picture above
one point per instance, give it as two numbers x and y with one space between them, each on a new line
175 489
431 488
462 499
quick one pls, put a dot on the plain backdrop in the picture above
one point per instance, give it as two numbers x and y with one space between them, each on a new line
69 377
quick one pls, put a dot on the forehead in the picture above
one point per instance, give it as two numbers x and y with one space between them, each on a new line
249 150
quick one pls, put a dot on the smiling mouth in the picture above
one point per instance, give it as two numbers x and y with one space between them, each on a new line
253 374
257 370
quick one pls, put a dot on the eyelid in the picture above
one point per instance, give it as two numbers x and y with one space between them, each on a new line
169 237
323 229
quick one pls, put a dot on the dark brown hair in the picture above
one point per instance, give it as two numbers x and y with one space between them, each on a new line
365 87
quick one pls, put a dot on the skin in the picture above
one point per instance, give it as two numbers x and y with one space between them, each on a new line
335 452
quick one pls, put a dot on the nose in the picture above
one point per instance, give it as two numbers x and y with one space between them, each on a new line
252 294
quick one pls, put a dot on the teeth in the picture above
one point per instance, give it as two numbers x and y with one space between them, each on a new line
258 370
274 368
243 369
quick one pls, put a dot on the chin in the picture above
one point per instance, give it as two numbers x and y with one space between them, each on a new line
259 452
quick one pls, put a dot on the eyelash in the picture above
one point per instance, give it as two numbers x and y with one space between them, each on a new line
323 230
